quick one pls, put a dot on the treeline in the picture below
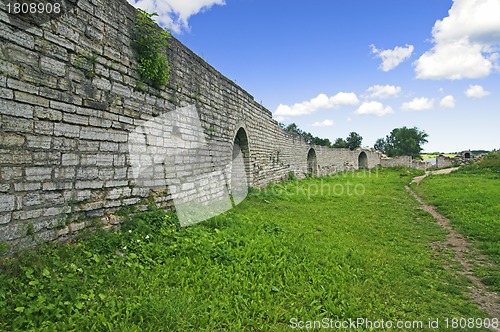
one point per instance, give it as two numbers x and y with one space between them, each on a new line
352 142
400 142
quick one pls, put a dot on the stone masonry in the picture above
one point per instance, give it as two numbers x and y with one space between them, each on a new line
69 102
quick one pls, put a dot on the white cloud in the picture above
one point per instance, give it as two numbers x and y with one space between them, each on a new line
476 91
466 42
392 58
373 108
322 101
418 104
384 91
325 123
447 102
344 98
454 61
174 14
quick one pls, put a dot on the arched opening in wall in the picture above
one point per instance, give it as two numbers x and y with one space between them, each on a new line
312 163
362 161
240 167
467 155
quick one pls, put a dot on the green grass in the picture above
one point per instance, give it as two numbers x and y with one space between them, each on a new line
470 198
427 156
299 249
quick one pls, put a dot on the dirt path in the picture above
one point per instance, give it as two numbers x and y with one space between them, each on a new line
441 171
488 301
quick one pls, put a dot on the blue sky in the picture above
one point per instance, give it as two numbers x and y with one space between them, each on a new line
367 66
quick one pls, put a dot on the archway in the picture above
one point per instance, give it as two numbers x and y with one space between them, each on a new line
312 163
467 155
240 167
362 161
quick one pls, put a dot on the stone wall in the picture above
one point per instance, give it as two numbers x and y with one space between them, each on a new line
461 159
444 161
420 164
70 102
405 161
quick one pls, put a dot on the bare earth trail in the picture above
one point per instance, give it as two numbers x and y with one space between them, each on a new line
488 301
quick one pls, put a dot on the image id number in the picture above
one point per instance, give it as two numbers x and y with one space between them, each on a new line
33 8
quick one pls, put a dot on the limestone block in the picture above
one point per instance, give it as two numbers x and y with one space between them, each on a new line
70 159
12 231
66 130
11 139
56 39
13 108
28 98
7 202
75 119
52 66
9 68
48 114
15 157
38 173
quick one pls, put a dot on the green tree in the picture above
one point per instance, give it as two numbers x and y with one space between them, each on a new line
354 141
293 129
322 141
308 137
380 145
340 143
150 44
403 142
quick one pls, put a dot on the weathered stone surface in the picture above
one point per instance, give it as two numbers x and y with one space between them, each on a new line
10 173
9 68
52 66
48 114
11 139
70 159
10 107
62 106
7 202
5 218
12 231
10 123
64 174
44 127
66 130
17 36
16 84
15 157
6 93
27 186
38 173
75 119
30 99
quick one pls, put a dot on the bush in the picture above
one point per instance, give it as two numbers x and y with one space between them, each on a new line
150 43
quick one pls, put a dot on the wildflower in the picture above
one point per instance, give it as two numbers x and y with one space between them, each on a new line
125 248
147 237
130 231
138 241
